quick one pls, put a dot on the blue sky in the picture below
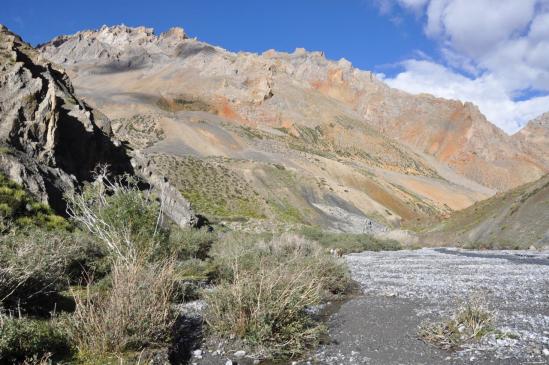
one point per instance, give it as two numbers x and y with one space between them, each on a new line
353 29
493 53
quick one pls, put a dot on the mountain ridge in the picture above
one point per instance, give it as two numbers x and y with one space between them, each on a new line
455 133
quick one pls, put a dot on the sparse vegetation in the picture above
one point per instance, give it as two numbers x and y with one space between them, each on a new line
264 289
348 242
470 323
20 208
184 104
213 189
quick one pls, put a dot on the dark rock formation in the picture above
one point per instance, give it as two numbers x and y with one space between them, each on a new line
51 141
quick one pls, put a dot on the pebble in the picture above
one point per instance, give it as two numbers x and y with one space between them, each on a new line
228 362
545 352
240 353
197 354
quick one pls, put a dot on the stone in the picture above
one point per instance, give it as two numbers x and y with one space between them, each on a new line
240 353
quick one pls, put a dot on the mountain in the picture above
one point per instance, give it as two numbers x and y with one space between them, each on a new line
292 137
51 141
518 218
534 138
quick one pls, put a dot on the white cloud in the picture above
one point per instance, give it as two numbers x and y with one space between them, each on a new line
485 91
413 4
504 44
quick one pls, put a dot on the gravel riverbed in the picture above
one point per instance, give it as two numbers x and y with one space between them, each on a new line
402 289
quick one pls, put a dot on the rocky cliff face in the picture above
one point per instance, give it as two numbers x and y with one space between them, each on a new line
51 141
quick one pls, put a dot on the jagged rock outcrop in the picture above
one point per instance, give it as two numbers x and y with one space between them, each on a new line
51 141
174 205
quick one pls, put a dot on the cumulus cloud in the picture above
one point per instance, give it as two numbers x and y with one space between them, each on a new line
486 91
501 45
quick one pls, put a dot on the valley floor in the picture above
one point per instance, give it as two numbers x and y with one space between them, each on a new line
403 289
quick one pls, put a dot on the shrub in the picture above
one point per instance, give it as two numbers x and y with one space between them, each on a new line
20 209
471 322
133 314
265 288
349 242
36 265
126 219
24 339
187 243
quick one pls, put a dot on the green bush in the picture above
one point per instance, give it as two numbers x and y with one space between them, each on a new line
265 288
119 214
188 243
20 208
23 339
349 242
37 265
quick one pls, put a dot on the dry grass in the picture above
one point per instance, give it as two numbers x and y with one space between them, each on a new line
133 314
265 289
470 323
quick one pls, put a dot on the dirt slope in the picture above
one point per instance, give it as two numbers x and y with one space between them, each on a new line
518 218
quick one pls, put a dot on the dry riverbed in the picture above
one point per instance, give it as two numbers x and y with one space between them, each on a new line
401 290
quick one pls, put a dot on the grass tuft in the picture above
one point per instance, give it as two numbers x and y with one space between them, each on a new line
470 323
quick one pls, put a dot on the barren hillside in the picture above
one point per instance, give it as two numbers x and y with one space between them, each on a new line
289 136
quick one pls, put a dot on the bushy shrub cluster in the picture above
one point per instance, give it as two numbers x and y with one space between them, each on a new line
149 257
30 340
265 288
111 281
36 265
19 208
134 313
349 242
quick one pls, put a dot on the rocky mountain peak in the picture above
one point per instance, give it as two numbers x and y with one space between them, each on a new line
175 33
541 121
